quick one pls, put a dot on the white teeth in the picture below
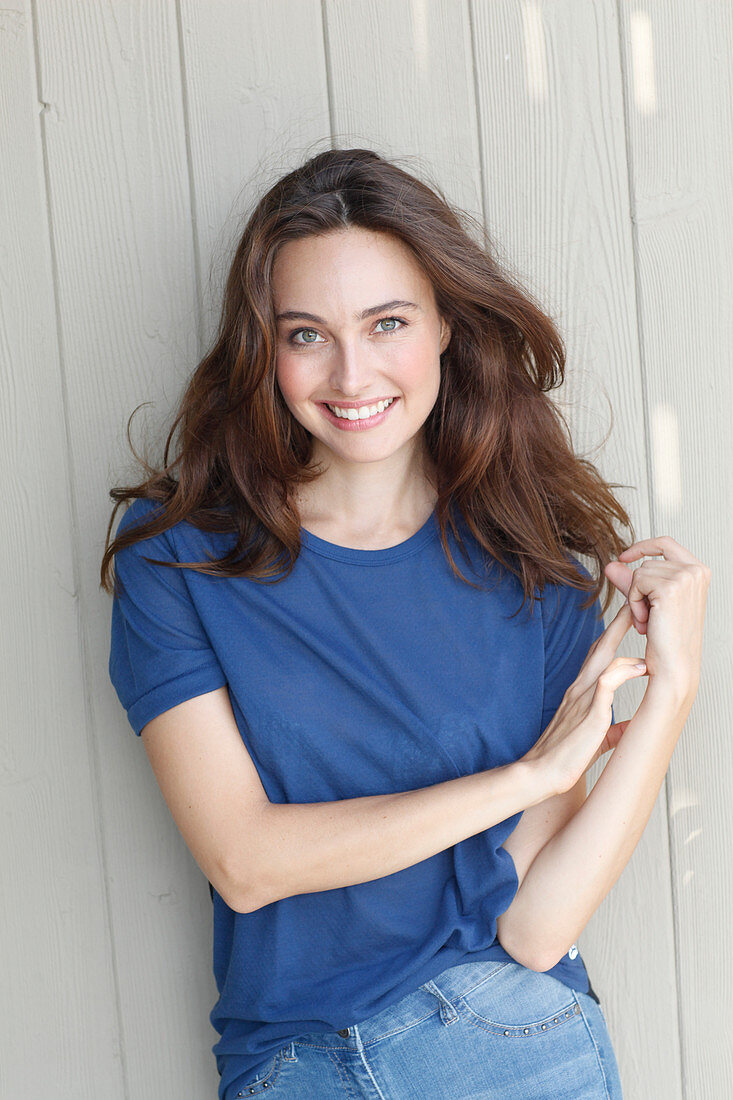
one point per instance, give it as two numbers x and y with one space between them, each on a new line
362 413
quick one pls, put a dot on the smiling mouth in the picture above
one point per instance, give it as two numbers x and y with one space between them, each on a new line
357 419
361 412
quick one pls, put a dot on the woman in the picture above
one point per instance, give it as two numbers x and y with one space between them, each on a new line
377 759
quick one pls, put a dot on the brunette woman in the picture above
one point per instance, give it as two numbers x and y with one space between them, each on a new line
369 670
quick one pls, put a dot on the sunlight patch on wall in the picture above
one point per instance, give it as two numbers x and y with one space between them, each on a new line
535 58
666 459
642 63
420 37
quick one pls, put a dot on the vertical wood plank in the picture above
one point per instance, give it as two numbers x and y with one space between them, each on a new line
678 89
556 181
160 125
402 83
257 106
128 238
60 1024
122 237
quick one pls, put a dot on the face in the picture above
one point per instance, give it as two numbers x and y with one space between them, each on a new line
357 326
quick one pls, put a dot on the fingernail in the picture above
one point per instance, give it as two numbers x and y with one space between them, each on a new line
640 665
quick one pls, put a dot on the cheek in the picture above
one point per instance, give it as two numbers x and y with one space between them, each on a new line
417 367
291 377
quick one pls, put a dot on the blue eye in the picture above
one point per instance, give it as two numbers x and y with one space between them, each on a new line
387 319
298 343
305 343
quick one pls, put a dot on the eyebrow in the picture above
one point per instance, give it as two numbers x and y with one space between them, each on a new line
396 303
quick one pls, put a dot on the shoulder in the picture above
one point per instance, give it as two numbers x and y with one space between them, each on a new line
139 512
139 562
164 544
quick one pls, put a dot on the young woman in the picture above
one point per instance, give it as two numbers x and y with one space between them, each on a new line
377 755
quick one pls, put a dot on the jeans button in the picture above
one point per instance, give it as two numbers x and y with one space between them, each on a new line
344 1033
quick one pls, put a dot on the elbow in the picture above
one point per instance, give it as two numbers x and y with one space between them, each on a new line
517 949
531 958
524 946
245 891
542 965
544 960
245 886
247 903
524 951
238 901
245 894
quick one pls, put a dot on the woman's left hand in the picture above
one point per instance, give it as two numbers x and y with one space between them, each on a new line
667 602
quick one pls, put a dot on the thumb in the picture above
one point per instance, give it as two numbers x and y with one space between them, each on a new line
619 574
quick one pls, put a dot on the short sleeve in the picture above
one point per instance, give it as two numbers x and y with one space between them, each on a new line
160 654
569 631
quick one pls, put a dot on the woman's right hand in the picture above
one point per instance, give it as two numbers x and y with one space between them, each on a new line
581 729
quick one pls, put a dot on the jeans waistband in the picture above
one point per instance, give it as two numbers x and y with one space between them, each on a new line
411 1009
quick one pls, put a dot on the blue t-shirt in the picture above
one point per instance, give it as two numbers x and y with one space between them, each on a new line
364 672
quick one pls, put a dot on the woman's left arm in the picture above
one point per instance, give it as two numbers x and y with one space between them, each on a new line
572 874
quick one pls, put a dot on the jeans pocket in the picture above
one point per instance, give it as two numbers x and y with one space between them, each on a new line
517 1002
263 1081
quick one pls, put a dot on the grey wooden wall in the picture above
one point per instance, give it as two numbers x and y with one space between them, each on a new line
594 139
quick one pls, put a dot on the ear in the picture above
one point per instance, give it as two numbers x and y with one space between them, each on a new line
445 335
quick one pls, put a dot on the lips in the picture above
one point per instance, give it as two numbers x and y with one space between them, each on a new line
366 403
346 424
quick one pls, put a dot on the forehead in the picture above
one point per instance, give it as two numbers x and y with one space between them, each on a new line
351 268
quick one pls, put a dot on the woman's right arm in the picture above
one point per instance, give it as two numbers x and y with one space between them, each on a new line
254 851
170 681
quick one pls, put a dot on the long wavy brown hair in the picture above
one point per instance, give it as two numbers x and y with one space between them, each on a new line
502 448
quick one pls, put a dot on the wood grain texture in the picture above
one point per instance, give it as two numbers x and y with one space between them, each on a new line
60 1026
556 182
679 119
594 140
401 78
125 285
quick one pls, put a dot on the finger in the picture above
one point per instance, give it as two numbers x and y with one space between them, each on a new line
598 654
611 638
618 672
623 577
618 625
662 544
649 579
638 603
620 575
599 657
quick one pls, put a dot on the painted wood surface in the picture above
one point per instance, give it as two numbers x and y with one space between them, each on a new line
594 141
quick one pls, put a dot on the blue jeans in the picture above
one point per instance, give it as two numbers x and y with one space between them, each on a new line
478 1031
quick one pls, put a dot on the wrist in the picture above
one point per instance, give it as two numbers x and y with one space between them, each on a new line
671 693
537 781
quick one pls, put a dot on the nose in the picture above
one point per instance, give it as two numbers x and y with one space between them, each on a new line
351 373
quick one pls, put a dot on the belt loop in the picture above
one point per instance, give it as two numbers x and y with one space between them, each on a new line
289 1052
448 1013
